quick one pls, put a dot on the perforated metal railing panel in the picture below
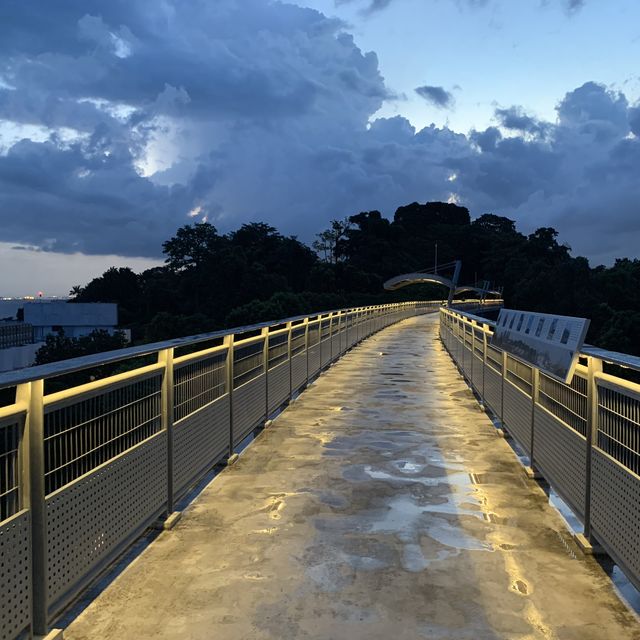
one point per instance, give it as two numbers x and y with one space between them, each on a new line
198 383
278 349
314 360
200 441
84 432
249 407
90 520
15 575
494 359
325 329
567 402
278 385
10 434
325 352
335 345
298 371
517 414
298 337
478 343
561 454
248 362
619 425
615 512
477 374
519 374
467 355
352 330
493 390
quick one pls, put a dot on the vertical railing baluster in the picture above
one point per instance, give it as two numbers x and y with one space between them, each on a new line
484 361
594 366
503 384
228 342
306 345
265 368
165 357
289 338
535 395
32 394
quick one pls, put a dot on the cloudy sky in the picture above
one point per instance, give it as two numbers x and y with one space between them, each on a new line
123 120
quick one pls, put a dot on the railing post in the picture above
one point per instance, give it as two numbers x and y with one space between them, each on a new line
473 352
535 397
306 344
228 342
484 363
265 357
165 357
594 366
504 377
32 394
331 328
289 334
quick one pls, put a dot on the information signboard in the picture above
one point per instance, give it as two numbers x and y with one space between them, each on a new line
549 342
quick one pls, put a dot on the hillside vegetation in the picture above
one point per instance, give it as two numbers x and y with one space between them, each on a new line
212 280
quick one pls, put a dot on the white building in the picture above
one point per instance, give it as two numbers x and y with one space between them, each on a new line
17 349
75 319
20 341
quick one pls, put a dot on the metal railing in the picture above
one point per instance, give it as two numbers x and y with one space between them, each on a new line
582 437
85 470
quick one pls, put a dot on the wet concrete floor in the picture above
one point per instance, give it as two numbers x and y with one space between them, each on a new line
380 504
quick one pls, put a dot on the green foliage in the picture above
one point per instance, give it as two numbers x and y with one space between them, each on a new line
119 285
283 305
166 326
60 347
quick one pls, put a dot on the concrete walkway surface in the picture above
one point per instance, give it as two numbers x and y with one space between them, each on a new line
381 504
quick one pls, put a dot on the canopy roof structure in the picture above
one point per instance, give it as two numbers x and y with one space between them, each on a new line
422 277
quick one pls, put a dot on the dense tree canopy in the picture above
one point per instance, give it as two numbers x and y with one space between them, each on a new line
211 281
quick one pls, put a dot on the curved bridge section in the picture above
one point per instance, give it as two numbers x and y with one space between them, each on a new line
406 279
480 290
422 277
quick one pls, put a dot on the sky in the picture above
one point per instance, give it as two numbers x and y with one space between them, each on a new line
122 121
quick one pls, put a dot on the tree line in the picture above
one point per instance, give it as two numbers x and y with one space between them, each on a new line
211 281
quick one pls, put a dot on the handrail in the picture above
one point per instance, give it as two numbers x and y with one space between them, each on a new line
623 360
73 365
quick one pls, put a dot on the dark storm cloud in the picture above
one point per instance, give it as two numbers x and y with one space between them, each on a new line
516 119
574 5
372 6
245 110
436 96
634 120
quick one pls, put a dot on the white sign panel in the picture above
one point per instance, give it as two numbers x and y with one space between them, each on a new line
550 343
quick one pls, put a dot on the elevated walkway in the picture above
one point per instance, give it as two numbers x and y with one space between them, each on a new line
380 504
